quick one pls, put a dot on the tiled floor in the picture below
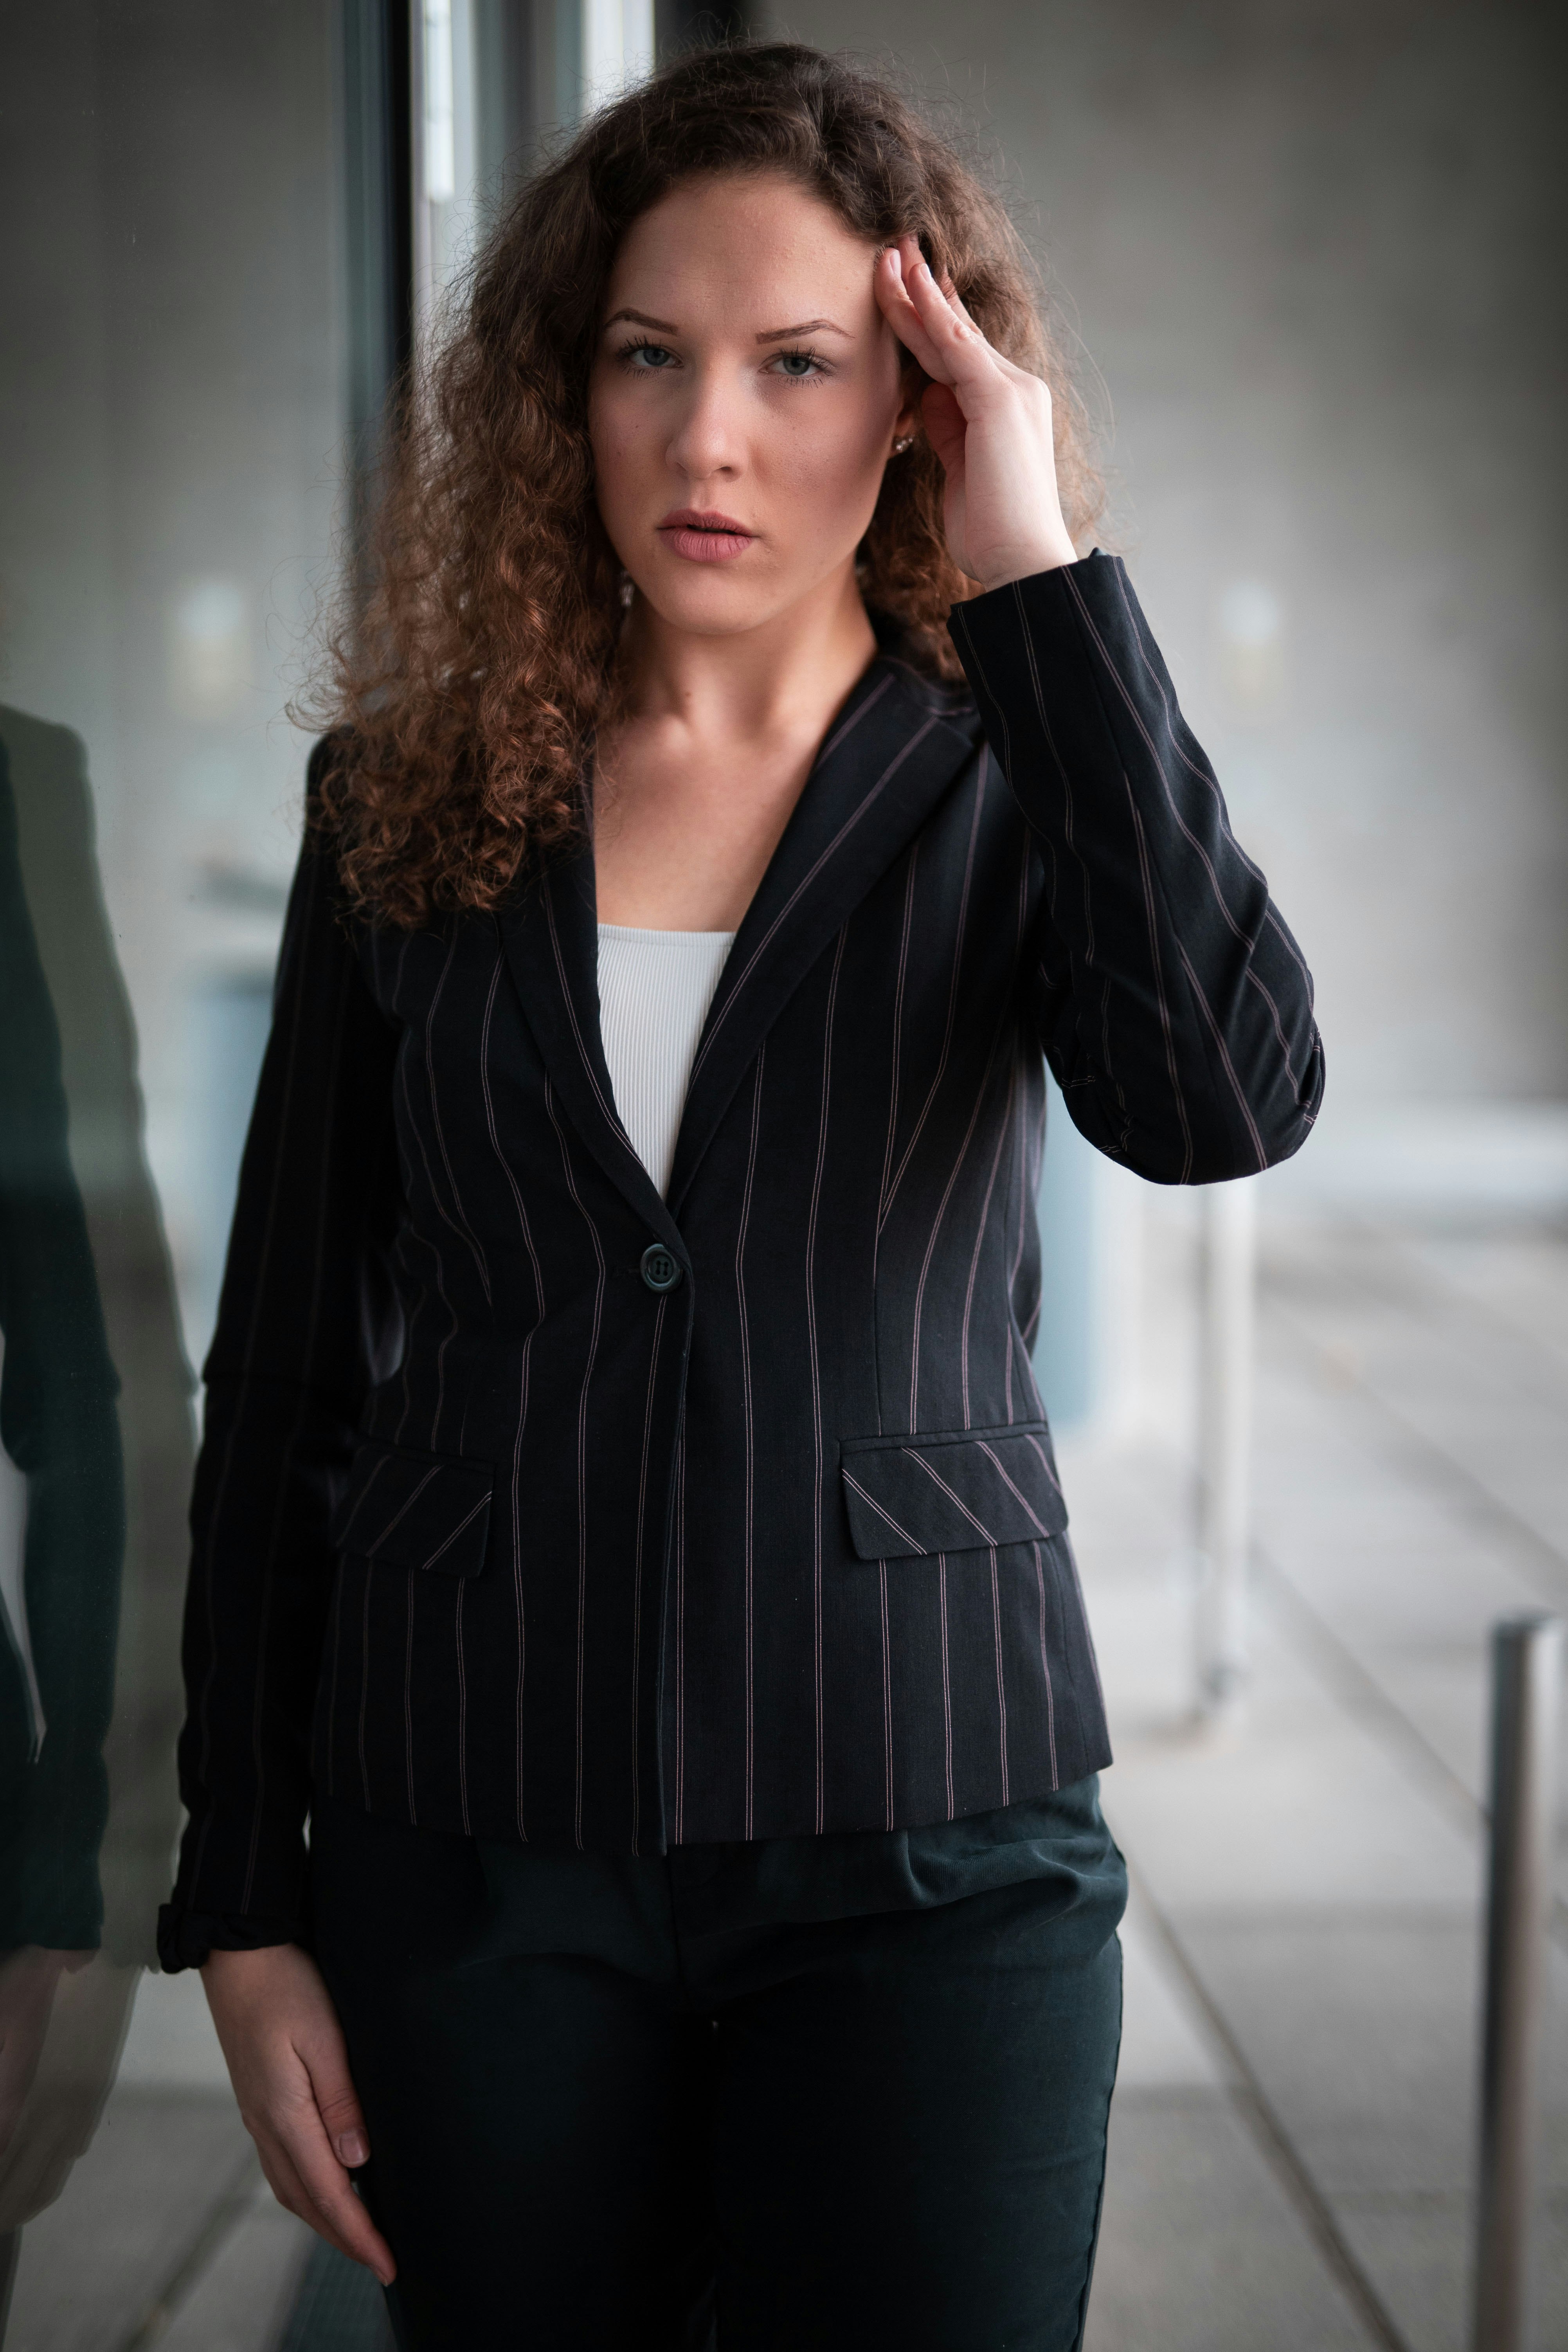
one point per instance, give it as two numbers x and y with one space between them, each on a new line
1317 1869
1291 2144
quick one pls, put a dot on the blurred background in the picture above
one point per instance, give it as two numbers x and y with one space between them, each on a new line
1305 250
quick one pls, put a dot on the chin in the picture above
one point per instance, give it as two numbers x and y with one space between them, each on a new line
710 604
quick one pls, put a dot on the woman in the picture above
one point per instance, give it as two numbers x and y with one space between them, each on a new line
621 1434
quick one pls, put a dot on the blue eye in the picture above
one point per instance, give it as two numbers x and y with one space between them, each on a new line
647 359
796 364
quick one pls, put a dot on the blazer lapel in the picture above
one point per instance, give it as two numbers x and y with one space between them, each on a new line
551 940
894 749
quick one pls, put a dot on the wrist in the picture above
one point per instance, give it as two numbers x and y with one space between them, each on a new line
1052 554
225 1965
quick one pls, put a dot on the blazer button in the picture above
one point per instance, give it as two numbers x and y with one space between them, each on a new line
661 1269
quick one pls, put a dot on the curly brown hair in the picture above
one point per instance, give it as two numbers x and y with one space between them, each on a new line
467 684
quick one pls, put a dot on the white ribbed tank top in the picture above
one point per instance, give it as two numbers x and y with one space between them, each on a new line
655 988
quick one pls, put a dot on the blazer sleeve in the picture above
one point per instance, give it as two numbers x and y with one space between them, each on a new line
307 1321
1175 1008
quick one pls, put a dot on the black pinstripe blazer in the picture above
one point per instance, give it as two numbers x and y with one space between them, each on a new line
551 1554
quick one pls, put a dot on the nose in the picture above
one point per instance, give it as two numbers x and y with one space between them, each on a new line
707 444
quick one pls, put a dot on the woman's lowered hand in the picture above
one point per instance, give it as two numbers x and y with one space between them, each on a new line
988 420
289 2067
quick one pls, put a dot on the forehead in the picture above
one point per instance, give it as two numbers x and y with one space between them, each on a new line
735 249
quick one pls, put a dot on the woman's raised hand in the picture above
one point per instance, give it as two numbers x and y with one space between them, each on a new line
988 420
289 2067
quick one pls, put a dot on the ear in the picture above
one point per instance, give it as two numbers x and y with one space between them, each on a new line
912 381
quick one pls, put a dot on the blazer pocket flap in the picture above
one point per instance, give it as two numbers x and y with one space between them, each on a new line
414 1510
951 1490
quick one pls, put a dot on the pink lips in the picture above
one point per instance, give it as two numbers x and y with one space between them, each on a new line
704 537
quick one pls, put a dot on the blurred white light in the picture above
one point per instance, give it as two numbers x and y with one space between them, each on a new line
210 650
440 158
618 46
1251 629
1250 615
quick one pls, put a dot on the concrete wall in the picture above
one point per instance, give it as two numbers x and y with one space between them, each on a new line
1313 248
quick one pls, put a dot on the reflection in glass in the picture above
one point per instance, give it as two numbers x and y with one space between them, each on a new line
95 1426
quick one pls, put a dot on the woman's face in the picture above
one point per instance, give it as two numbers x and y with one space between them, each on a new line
744 397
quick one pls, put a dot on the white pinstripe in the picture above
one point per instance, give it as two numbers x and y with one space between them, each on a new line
936 1228
1166 1031
505 1166
893 1099
749 1468
1045 1670
942 1063
1017 1494
816 1381
460 1225
981 1529
570 1175
1003 1132
1218 1039
870 1501
1001 1678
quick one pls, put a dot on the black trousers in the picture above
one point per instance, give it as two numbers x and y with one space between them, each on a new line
607 2098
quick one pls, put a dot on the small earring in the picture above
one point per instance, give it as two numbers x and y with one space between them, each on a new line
907 443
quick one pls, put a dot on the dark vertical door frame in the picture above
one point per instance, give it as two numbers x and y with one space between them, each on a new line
377 147
680 25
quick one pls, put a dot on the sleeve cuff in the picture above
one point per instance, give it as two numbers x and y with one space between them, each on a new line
1088 573
186 1938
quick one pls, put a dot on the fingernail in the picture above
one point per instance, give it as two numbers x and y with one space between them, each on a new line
353 2149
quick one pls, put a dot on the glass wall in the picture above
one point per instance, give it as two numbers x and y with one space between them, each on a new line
176 394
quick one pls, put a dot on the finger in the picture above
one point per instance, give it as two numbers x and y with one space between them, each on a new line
1000 364
292 2194
956 302
900 312
967 360
1007 367
320 2131
330 2204
320 2048
337 2102
942 314
352 2233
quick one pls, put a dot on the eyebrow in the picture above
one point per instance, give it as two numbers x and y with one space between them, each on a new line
807 326
771 335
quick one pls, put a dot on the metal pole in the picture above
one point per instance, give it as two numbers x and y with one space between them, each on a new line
1224 1441
1527 1669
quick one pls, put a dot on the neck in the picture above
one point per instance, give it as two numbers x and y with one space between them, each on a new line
790 672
